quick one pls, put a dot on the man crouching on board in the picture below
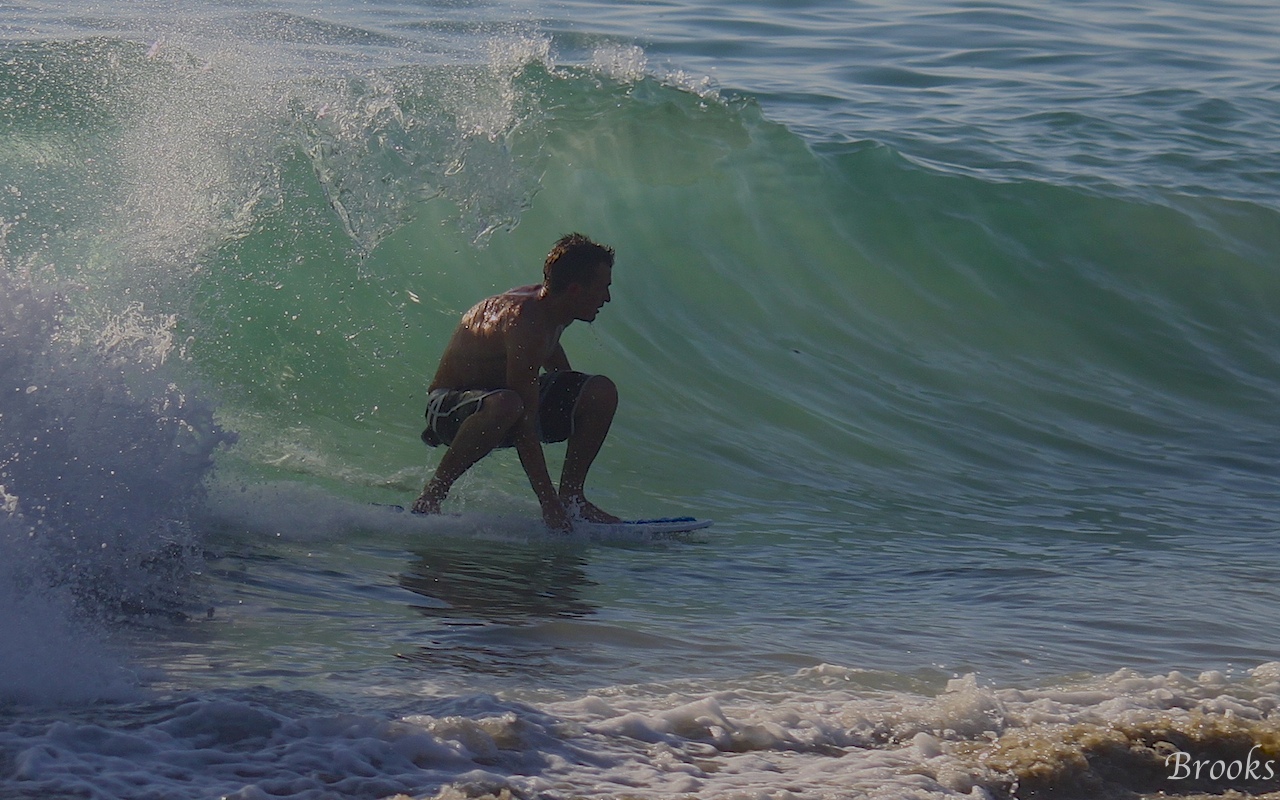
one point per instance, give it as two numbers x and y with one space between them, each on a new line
489 390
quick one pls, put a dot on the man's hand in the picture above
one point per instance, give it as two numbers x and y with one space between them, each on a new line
556 517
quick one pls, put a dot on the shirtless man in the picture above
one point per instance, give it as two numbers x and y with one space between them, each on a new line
488 391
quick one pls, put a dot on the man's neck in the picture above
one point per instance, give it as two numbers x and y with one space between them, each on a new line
555 306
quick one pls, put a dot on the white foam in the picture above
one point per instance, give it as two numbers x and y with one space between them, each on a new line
811 738
768 737
301 512
293 511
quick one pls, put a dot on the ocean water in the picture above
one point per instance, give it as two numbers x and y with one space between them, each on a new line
960 319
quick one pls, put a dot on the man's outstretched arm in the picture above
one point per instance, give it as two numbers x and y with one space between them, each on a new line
522 377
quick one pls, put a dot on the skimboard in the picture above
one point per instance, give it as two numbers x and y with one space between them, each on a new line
657 527
661 525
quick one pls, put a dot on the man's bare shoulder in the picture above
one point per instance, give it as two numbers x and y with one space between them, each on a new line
497 314
516 311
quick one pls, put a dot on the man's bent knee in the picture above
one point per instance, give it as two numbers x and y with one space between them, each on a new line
599 393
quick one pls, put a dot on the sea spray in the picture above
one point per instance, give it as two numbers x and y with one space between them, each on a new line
383 143
103 459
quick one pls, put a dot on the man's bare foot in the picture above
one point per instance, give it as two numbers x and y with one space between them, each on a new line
429 501
581 508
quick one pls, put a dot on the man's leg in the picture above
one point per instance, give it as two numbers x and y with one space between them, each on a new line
476 438
592 419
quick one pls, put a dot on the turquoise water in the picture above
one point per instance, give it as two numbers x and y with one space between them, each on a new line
959 319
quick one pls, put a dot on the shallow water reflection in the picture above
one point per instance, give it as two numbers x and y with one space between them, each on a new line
472 582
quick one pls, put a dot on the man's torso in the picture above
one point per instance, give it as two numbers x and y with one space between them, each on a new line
477 353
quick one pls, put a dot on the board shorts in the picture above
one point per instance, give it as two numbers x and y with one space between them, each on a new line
558 394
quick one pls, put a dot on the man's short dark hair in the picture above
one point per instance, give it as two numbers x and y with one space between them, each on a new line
574 259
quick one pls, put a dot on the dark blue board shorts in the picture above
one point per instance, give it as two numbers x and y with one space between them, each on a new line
558 394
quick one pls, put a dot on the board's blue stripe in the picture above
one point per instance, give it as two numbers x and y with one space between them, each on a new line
661 519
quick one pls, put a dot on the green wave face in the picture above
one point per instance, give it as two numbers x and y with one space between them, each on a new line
830 326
